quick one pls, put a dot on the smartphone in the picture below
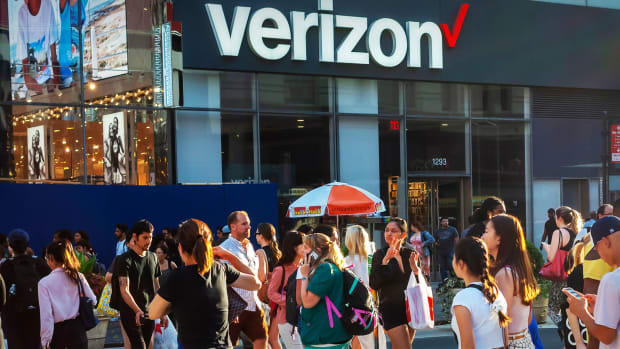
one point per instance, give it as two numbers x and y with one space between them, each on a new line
572 292
313 256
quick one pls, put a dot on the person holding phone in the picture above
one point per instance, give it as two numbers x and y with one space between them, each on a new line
389 276
601 313
321 291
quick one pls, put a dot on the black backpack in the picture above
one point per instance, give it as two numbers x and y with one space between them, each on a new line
359 315
25 296
291 308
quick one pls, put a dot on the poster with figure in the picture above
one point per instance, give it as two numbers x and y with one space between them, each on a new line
44 38
114 148
37 155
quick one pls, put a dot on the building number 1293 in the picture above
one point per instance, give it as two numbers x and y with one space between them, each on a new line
443 162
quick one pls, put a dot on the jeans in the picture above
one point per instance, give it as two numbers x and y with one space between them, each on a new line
445 264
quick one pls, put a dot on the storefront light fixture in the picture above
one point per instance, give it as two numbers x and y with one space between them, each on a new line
444 125
300 120
67 150
92 86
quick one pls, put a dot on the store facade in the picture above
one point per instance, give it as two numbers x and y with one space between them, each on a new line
433 105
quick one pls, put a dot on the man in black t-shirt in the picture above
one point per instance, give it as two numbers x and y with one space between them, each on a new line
138 271
550 227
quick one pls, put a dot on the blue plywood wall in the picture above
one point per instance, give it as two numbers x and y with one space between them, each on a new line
41 209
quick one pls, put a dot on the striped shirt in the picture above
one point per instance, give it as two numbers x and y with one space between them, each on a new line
248 257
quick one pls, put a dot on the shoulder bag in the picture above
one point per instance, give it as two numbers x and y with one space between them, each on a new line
554 270
86 313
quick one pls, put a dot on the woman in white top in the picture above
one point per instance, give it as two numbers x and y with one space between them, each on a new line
513 271
59 299
478 311
356 240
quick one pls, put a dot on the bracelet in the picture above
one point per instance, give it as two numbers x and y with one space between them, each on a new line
303 278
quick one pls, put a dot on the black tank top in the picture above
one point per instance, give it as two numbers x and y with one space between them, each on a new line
271 257
569 245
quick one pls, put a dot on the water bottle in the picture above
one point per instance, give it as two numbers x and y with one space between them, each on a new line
12 290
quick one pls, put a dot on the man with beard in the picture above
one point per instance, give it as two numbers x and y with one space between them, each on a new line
36 159
252 320
114 155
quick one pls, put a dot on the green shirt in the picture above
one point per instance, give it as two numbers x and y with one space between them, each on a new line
314 325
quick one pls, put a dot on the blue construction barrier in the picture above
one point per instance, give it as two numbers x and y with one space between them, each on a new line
41 209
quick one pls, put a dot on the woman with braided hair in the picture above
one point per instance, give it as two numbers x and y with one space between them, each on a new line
478 311
512 269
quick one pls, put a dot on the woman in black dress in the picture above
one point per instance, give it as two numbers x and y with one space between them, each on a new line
389 275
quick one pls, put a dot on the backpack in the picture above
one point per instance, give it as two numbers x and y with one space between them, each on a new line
359 315
291 308
25 294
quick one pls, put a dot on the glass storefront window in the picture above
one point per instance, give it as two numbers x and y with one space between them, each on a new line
498 164
294 93
214 89
435 146
214 147
46 145
434 98
361 96
295 155
497 101
125 146
389 164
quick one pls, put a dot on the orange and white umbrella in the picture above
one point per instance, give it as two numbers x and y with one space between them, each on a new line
335 199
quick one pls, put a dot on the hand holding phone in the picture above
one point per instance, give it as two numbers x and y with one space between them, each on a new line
569 291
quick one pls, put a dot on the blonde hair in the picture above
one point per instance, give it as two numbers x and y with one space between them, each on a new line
329 252
356 240
576 255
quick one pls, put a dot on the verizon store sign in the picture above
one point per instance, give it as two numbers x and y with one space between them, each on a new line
274 35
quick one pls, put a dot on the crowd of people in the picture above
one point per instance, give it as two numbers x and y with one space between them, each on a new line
217 288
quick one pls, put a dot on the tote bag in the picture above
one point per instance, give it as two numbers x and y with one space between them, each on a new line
554 270
419 303
86 313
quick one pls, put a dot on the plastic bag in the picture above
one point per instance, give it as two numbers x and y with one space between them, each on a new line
419 301
165 338
103 308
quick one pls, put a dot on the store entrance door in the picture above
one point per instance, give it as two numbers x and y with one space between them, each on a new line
430 199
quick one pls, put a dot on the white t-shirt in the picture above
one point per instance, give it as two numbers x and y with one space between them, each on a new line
487 332
607 307
360 267
36 35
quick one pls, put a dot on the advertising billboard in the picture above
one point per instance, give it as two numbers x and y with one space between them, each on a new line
44 38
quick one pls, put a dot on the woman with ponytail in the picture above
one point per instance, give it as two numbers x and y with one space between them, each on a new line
569 223
512 269
268 256
59 299
196 293
321 278
479 312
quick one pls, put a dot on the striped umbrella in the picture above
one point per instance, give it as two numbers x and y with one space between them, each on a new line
335 199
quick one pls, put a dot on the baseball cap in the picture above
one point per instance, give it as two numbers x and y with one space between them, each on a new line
604 227
18 237
226 229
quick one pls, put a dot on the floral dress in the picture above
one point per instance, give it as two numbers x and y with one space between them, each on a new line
418 245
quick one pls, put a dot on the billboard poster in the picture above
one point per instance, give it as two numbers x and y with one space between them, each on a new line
37 155
114 148
615 144
44 42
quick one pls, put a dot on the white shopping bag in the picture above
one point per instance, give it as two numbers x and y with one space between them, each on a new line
419 300
165 338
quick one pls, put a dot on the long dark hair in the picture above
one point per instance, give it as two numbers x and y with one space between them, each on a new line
195 237
268 231
513 253
63 254
473 252
482 214
291 240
